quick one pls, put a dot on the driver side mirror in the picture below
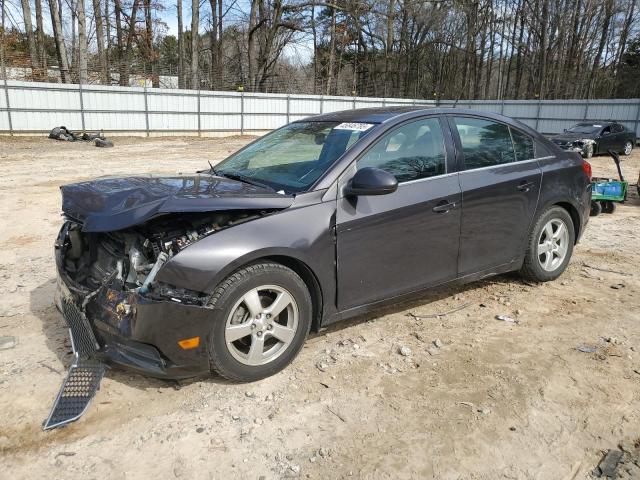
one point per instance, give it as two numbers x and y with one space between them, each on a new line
371 181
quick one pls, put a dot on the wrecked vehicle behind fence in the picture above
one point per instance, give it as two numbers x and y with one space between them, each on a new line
228 270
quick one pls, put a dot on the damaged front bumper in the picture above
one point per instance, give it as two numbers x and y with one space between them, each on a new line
134 331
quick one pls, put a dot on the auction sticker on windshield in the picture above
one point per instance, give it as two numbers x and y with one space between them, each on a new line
360 127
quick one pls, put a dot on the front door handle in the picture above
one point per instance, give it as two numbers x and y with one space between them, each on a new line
444 206
525 186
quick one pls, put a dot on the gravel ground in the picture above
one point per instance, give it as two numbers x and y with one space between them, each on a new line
459 396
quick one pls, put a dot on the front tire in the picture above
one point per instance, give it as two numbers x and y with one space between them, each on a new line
550 246
628 148
588 151
264 316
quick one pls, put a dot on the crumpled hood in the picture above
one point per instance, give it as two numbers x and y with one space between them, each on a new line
115 203
571 137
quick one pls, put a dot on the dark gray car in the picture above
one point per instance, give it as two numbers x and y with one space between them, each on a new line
228 269
593 138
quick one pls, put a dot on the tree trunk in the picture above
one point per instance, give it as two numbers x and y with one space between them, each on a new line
181 52
252 52
332 50
608 14
82 43
150 51
195 24
42 53
102 53
213 39
61 49
31 39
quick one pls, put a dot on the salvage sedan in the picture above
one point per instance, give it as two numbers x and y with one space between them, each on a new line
228 270
593 138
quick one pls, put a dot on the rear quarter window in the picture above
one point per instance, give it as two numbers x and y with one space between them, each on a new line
523 145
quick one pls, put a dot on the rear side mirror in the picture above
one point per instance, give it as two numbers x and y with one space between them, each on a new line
372 181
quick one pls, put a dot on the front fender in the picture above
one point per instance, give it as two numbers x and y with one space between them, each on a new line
303 234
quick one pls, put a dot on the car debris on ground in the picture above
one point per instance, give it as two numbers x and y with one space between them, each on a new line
609 464
62 133
507 319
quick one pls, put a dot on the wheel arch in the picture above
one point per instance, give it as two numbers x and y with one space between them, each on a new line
575 218
301 268
310 279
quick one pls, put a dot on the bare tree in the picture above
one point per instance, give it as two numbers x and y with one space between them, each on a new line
181 51
195 52
58 35
82 43
31 39
100 34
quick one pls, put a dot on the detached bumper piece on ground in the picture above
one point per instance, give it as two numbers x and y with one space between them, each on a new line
85 373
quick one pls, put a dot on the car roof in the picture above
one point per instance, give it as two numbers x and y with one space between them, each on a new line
595 122
383 114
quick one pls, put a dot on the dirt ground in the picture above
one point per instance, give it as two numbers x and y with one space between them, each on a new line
495 400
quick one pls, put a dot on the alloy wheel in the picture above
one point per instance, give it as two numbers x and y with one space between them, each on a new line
261 325
553 244
627 148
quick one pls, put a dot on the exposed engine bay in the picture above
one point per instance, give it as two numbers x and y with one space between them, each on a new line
130 259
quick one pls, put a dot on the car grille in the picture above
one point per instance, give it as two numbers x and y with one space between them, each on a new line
82 336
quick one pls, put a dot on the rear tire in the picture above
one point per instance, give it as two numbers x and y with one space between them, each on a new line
550 246
248 343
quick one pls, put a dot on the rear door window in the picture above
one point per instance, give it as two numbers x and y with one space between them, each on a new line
485 143
523 145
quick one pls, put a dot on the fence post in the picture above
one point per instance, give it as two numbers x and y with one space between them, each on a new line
538 114
288 108
635 130
502 107
81 106
199 124
242 113
146 111
321 104
6 96
353 104
586 109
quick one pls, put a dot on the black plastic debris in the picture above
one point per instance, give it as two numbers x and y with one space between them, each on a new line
609 464
64 134
103 142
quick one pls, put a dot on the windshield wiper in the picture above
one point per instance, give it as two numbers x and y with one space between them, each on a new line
241 178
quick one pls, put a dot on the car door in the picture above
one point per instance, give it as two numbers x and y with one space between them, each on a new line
396 243
606 140
500 184
619 137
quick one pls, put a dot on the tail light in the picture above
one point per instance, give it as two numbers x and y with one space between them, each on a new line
586 168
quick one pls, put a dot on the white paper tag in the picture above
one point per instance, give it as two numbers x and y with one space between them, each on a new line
360 127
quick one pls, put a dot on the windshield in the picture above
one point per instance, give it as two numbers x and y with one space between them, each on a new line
585 128
292 158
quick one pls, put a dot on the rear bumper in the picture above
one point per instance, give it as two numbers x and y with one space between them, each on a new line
133 331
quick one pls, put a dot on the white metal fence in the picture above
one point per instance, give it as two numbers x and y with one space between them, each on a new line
27 107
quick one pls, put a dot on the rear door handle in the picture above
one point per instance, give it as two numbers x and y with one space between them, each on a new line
444 206
525 186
